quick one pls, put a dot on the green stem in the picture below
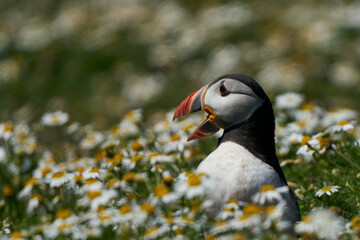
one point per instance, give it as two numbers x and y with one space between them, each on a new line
346 158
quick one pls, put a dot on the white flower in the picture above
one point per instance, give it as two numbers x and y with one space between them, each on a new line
91 140
328 190
93 172
323 224
155 232
52 119
289 100
269 193
163 194
341 126
336 116
193 185
6 130
34 202
97 198
58 179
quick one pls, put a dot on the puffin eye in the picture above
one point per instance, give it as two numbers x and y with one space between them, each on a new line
223 90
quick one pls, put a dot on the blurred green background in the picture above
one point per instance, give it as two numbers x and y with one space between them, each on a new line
97 59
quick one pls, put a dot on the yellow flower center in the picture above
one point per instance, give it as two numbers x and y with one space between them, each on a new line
129 115
112 181
7 191
168 179
104 217
64 227
129 176
355 223
326 189
194 179
270 209
307 106
58 175
188 127
148 207
94 194
305 140
266 188
38 196
94 170
151 155
137 158
8 127
161 190
78 178
16 235
91 181
80 170
63 214
45 171
124 209
31 181
307 219
343 122
175 137
136 146
150 231
251 209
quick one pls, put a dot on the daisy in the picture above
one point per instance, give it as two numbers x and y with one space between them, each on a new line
52 119
5 227
17 235
251 217
65 223
269 193
128 129
126 213
34 202
336 116
160 158
163 194
323 224
354 225
29 184
59 178
328 190
342 126
143 212
289 100
91 140
93 172
230 209
98 198
6 130
193 184
92 184
156 232
274 214
102 217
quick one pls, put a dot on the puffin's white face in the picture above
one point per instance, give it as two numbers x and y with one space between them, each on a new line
227 101
232 101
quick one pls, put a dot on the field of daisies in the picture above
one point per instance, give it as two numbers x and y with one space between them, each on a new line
137 180
88 88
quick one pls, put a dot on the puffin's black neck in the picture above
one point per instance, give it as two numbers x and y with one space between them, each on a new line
257 135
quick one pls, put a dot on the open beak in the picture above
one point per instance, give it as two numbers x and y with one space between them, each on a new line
194 103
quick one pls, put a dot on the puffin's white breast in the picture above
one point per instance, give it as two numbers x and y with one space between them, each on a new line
238 174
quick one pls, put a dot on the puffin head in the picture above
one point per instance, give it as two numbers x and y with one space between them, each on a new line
229 100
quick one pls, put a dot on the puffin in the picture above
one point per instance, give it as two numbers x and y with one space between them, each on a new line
245 158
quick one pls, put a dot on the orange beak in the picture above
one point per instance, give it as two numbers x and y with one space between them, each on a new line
193 103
